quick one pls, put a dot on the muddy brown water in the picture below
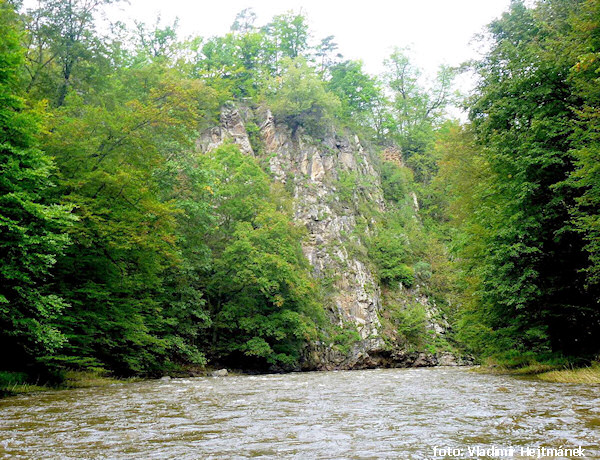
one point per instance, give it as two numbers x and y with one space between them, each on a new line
391 413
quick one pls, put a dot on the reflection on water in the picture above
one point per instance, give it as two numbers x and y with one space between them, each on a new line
392 413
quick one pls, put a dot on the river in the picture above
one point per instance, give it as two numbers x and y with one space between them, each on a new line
388 413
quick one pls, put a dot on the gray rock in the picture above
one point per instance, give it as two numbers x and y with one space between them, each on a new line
219 373
317 172
447 359
166 378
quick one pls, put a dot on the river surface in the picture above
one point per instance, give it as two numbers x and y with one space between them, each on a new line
391 413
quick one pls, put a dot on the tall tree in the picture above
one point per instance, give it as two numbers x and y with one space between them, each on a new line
244 21
533 288
259 289
416 109
32 228
584 45
300 99
325 54
287 35
357 91
112 149
61 35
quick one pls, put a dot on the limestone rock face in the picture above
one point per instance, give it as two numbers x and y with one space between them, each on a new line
314 170
334 185
232 128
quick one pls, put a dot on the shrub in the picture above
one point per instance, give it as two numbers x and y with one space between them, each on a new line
411 323
389 251
299 99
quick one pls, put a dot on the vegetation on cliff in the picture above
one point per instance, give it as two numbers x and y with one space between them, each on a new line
124 248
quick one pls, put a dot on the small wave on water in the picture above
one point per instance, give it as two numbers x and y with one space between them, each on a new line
391 413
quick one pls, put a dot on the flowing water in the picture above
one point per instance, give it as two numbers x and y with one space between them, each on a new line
392 413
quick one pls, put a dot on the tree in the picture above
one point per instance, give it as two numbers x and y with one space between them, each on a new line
324 54
584 45
61 35
113 151
232 64
244 21
158 42
32 227
531 266
287 37
417 111
259 289
357 91
299 99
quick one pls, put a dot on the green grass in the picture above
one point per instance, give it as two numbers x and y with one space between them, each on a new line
81 379
549 372
589 375
13 384
21 388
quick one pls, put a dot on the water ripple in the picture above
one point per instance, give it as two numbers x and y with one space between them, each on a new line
393 413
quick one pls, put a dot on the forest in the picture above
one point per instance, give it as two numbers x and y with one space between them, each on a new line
123 249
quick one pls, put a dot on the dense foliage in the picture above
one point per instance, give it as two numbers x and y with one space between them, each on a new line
258 289
31 223
526 173
123 248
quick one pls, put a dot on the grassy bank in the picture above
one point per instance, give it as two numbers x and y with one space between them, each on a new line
17 383
549 372
589 375
12 383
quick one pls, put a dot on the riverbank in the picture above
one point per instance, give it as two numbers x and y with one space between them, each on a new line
550 373
590 375
80 379
72 379
375 413
14 384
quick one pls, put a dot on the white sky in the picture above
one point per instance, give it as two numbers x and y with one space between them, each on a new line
437 31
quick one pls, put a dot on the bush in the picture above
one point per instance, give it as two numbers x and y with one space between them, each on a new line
401 273
396 182
389 251
422 271
411 323
12 378
299 99
345 339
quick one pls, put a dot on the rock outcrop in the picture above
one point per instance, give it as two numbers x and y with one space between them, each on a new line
336 191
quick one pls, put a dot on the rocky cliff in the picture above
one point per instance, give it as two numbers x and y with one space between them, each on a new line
337 191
